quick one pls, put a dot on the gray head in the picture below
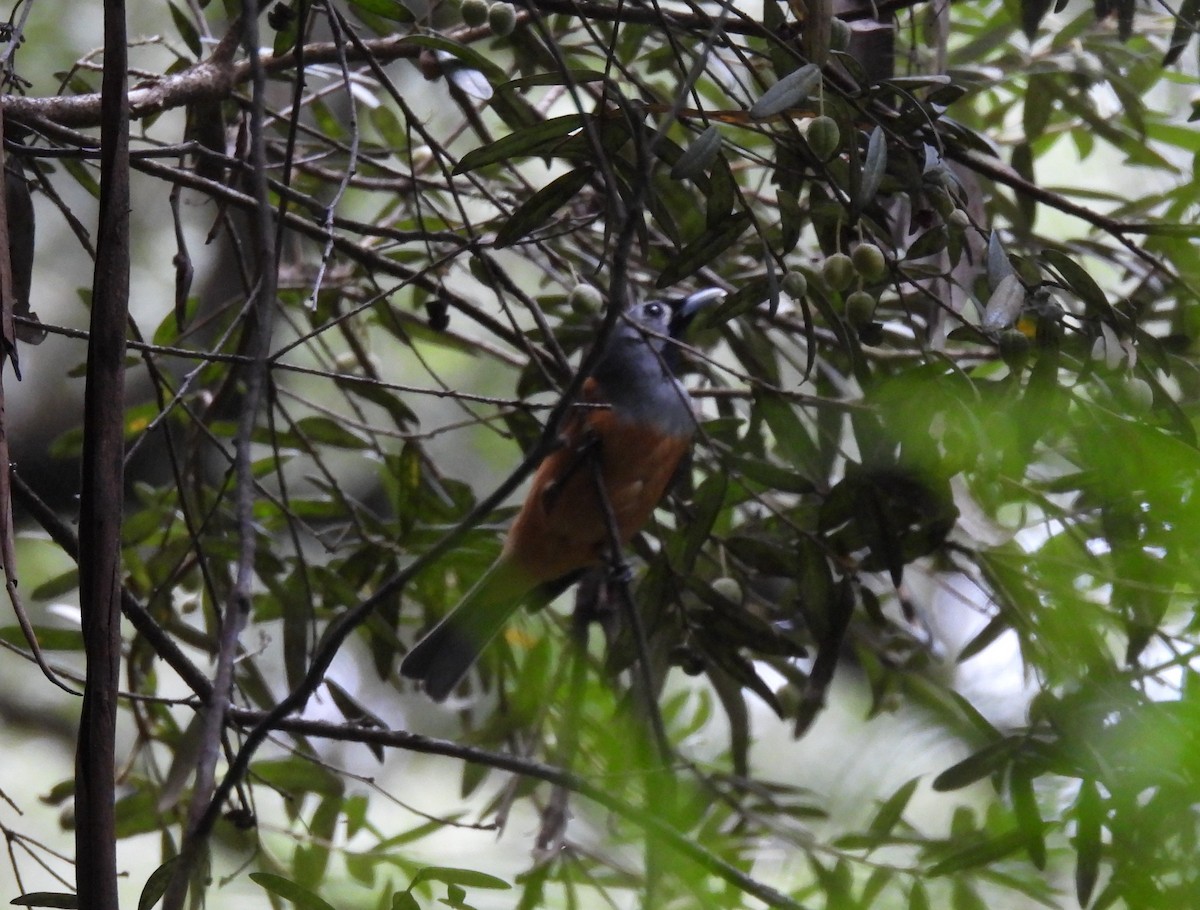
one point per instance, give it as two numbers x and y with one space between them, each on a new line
636 370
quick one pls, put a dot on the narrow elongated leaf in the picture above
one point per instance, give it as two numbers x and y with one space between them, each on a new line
1005 304
998 266
704 250
698 156
555 77
987 760
1076 278
301 897
1089 813
995 627
977 854
892 810
538 208
787 92
388 9
465 878
873 168
1029 819
1185 28
47 899
706 505
156 884
532 140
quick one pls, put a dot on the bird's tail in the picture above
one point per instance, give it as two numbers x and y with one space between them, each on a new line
443 657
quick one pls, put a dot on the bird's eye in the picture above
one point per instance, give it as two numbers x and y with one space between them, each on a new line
654 310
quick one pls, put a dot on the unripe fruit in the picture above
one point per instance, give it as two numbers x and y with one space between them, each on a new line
838 271
823 137
728 588
585 299
1139 394
474 12
959 219
795 284
869 261
860 309
501 18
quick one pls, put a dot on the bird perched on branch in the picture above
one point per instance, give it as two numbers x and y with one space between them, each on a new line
633 429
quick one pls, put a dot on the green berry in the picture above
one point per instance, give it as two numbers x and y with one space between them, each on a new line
585 299
959 219
869 261
501 18
728 588
838 271
1139 394
823 137
860 309
795 284
474 12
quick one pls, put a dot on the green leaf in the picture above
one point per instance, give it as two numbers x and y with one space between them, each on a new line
156 884
533 140
538 208
698 156
873 168
1089 815
186 29
995 627
325 431
998 265
295 775
770 475
706 506
1029 818
892 810
791 437
788 92
388 9
1005 304
978 853
988 760
702 251
1076 278
1185 28
468 878
47 899
48 639
1038 105
290 891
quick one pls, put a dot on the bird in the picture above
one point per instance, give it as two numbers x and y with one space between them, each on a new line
632 429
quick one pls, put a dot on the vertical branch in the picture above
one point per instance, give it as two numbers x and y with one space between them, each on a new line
203 808
102 487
